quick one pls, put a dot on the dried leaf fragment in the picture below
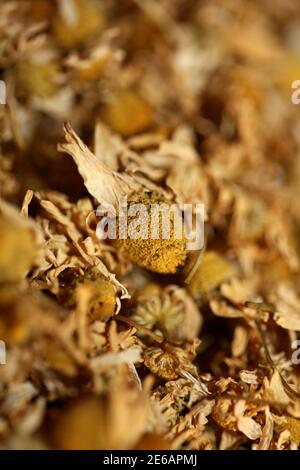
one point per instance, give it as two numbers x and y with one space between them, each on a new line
102 183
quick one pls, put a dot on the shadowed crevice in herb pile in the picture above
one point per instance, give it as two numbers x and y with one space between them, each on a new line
124 343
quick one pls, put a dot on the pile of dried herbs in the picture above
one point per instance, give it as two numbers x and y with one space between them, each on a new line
107 344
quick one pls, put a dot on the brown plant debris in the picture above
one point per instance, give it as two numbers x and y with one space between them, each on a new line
144 343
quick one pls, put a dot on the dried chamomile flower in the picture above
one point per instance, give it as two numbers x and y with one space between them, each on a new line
158 255
18 249
156 252
76 21
170 362
212 271
170 311
165 364
227 139
127 113
102 299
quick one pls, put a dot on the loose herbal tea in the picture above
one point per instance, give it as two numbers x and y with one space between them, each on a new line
149 224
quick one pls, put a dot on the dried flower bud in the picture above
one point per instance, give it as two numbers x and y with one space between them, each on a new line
102 303
212 271
169 362
102 299
127 113
170 311
162 363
